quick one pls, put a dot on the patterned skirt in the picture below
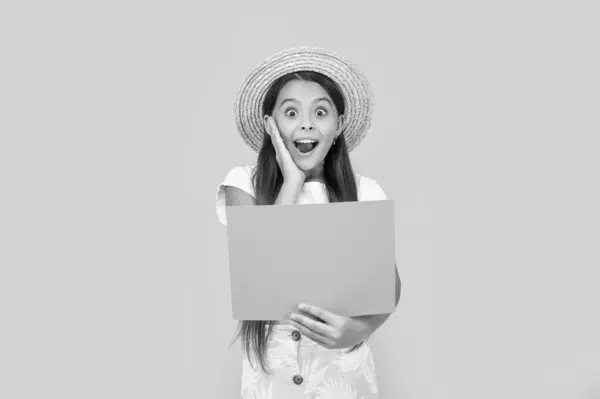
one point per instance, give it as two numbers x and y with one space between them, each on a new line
301 368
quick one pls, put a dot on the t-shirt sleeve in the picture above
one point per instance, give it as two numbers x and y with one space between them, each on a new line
239 177
370 190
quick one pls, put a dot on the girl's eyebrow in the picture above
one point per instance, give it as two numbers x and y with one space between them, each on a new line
324 99
317 100
288 99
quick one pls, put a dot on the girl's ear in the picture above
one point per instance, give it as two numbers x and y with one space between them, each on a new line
341 125
266 123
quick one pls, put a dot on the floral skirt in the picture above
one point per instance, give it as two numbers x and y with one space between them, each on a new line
301 368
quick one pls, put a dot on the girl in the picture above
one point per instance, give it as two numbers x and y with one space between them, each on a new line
303 110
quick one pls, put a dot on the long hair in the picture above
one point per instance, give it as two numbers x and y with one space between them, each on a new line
267 180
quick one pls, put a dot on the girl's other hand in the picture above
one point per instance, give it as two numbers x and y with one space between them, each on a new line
334 331
289 169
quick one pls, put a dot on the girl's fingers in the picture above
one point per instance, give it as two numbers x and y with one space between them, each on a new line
320 313
318 338
275 132
269 127
281 152
320 328
277 140
272 131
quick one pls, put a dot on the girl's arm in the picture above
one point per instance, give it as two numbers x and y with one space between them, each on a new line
375 321
289 192
237 197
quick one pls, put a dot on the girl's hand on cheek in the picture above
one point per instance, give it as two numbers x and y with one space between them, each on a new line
288 167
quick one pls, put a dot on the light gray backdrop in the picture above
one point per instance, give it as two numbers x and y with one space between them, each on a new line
116 127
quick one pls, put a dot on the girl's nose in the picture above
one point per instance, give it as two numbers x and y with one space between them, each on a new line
307 126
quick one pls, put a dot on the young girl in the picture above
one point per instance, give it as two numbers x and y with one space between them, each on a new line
303 110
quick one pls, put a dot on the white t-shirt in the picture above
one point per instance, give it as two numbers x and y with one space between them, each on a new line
312 192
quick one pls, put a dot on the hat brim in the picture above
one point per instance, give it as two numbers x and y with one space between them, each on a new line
357 93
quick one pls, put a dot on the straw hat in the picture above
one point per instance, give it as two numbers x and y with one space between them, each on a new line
357 92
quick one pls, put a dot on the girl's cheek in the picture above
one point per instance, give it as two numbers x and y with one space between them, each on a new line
286 136
287 140
286 132
328 126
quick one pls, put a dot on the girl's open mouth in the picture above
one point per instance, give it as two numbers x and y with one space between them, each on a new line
306 146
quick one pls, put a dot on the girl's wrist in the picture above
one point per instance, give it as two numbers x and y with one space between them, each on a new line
293 185
296 181
289 192
373 322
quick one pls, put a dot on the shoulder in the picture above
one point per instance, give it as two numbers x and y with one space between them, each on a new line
239 177
369 189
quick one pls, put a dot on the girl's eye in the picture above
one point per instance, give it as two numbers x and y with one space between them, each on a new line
321 112
290 113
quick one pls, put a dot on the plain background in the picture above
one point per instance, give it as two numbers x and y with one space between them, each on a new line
116 123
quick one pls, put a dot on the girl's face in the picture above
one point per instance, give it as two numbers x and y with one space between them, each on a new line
308 122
